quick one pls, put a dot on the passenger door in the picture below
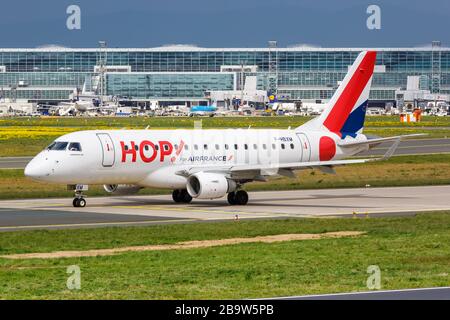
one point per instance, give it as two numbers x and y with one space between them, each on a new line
305 146
107 149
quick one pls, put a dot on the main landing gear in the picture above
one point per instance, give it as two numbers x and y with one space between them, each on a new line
181 196
239 197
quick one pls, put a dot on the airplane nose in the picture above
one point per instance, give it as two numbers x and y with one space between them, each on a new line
31 170
35 170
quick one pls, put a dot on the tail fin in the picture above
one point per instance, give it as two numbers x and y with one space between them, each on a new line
346 110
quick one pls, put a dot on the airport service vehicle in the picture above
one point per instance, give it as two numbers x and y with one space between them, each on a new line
211 164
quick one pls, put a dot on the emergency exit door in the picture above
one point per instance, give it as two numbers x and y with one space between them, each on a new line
107 149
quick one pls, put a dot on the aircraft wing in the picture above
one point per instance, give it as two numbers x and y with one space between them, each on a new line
260 171
65 104
372 142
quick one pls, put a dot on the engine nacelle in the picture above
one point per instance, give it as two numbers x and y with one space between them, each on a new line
204 185
121 189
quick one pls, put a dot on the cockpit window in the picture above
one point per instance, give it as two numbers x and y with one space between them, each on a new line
74 146
58 146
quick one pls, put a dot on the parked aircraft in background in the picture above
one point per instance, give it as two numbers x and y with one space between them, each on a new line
203 111
88 106
210 164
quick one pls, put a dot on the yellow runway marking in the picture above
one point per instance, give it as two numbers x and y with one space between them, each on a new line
95 224
35 205
188 209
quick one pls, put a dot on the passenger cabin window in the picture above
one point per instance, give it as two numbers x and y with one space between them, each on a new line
292 146
217 147
282 146
74 146
58 146
205 146
136 147
245 146
235 147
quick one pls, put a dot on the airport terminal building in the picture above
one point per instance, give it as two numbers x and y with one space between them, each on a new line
185 73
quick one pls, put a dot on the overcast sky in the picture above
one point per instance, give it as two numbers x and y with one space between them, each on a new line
224 23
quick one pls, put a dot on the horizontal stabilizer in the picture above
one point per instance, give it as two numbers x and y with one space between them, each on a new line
371 142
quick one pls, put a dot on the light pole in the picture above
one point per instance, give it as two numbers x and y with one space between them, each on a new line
102 45
273 67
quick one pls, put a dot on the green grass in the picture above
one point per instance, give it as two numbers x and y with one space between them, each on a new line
398 171
27 136
208 122
411 252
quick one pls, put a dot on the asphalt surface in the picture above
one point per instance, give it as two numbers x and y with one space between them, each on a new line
140 210
38 218
442 293
411 147
14 162
423 146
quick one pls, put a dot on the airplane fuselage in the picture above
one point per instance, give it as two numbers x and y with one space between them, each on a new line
152 158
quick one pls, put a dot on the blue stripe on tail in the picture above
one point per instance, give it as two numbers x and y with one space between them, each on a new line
355 121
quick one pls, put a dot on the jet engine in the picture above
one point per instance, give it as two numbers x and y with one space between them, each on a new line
121 189
204 185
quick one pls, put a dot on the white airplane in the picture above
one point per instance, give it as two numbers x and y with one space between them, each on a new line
69 108
210 164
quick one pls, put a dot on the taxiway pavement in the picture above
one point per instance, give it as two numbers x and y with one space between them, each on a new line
146 210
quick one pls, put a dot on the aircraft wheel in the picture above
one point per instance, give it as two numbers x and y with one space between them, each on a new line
185 196
81 203
241 197
231 198
176 196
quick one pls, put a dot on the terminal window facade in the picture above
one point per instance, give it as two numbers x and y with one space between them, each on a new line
53 73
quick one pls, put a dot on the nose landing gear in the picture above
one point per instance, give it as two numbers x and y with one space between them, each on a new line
79 202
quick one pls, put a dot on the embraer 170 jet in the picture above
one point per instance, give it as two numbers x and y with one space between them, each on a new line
210 164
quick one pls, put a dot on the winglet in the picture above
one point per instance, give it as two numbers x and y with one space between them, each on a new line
390 151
